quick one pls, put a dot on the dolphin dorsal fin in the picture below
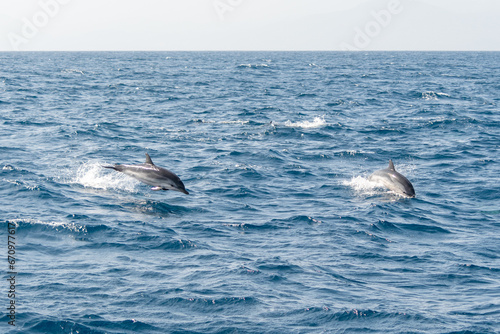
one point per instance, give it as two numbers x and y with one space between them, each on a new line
391 165
148 159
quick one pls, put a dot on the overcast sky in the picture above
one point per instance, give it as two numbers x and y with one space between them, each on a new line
28 25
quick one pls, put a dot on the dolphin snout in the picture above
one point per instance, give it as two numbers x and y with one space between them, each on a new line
184 191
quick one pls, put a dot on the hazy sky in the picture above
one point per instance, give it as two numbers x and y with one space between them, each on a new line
249 25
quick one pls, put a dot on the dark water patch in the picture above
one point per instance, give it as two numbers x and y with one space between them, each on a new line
250 227
474 330
336 103
157 208
480 269
383 225
373 237
278 266
57 326
92 326
229 305
173 245
129 326
422 228
235 192
276 224
245 270
353 320
210 228
202 169
154 244
306 95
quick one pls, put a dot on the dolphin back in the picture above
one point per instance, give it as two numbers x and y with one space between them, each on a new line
393 180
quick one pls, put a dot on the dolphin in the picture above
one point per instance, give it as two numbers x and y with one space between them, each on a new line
393 180
158 177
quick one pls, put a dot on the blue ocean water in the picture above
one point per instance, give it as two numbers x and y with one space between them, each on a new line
282 232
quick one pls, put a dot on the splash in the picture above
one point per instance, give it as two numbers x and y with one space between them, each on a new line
362 186
53 224
316 123
430 95
93 175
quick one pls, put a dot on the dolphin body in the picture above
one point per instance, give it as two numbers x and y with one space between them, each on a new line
393 180
158 177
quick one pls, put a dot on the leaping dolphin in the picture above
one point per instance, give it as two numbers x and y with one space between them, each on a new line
158 177
393 180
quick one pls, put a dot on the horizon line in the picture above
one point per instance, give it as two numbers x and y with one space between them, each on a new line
235 50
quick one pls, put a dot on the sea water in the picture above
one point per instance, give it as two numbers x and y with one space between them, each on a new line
282 232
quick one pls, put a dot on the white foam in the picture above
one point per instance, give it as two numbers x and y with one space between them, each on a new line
72 70
362 185
234 122
240 122
93 175
253 65
316 123
54 224
430 95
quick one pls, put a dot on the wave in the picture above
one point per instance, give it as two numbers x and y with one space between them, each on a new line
73 71
423 228
433 96
276 224
353 153
207 304
353 320
92 325
306 95
252 66
43 225
234 122
156 208
143 244
240 122
318 122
